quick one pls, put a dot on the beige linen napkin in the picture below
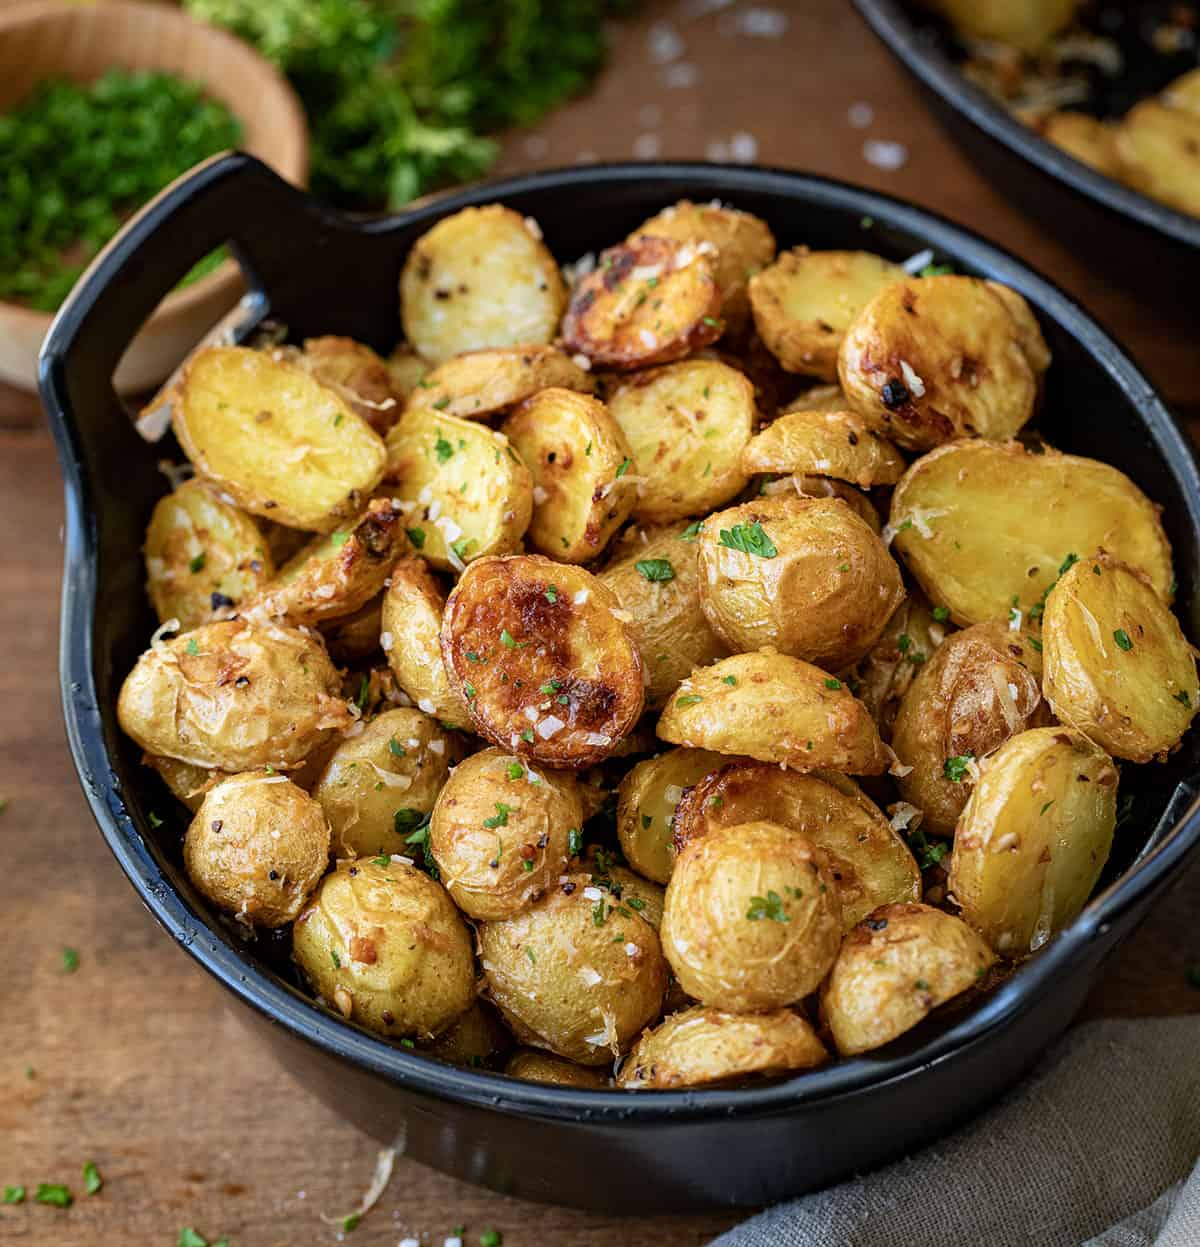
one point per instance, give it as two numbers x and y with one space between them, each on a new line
1098 1148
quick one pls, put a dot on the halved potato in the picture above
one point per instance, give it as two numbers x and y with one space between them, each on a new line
1034 838
818 398
952 505
275 439
688 425
649 301
804 303
1183 92
188 783
354 372
354 638
1089 140
908 642
1026 24
478 1039
471 494
1159 150
1118 667
824 443
777 709
405 371
480 278
825 487
530 1065
545 664
580 462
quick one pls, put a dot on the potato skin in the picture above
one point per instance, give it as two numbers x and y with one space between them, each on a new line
886 673
476 1039
353 371
406 370
1157 146
187 783
1087 139
702 1046
1026 24
530 1065
500 834
825 595
257 847
894 969
235 697
824 443
354 639
753 919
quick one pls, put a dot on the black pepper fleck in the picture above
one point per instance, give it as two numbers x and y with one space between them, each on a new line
895 394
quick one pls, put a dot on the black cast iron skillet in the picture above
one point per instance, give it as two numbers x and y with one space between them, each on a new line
320 273
1132 238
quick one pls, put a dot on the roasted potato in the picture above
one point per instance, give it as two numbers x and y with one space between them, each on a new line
580 461
777 709
530 1065
355 373
470 494
545 665
886 673
1025 24
233 696
384 946
1089 140
806 301
187 783
477 1039
687 425
1029 332
952 505
631 890
275 439
480 278
894 969
1118 667
1183 92
818 398
930 359
824 443
406 369
753 919
825 487
354 638
1159 150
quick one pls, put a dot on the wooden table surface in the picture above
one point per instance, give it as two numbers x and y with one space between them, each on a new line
132 1060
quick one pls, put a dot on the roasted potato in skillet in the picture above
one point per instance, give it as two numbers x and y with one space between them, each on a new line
355 373
187 782
825 487
530 1065
353 639
1086 138
477 1039
908 642
1026 24
1159 150
824 443
406 369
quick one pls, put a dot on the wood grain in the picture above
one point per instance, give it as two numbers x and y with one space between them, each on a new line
134 1061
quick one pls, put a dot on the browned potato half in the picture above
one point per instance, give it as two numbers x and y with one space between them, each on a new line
657 584
687 425
1159 150
1089 140
469 492
649 301
354 372
1029 332
275 439
980 687
633 892
501 833
533 1066
378 786
894 969
355 638
546 667
1026 24
869 862
384 946
825 487
805 576
930 359
412 619
257 847
580 462
480 384
202 554
824 443
480 278
405 371
282 542
1118 667
777 709
952 505
232 696
1183 92
818 398
1034 838
753 919
188 783
478 1039
579 973
908 642
804 303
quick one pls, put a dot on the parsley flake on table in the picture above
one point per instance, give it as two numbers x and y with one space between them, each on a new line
491 1238
55 1194
92 1181
767 907
13 1195
749 539
70 960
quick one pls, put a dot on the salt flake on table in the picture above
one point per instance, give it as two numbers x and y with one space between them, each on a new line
885 154
664 43
757 21
860 114
743 148
536 146
681 75
647 146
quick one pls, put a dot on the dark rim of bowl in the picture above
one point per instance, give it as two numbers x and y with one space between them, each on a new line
231 965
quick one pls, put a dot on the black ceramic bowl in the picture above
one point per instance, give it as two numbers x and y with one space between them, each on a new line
656 1151
1131 237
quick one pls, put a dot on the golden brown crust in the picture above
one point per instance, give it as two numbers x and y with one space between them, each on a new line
824 443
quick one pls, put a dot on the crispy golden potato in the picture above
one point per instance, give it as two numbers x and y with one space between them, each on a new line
1029 332
886 673
1026 24
385 947
744 244
1159 150
753 919
825 487
657 584
806 301
283 543
580 463
646 803
354 638
355 373
930 359
1047 506
1184 92
545 665
275 439
187 783
981 687
377 787
777 709
412 619
650 301
257 847
477 1039
501 833
634 892
824 443
579 974
232 696
1089 140
405 371
534 1066
1034 838
480 278
481 384
818 398
1118 667
804 576
470 494
894 969
869 862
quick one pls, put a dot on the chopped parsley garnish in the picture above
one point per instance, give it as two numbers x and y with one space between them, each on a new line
527 735
191 1238
382 860
1035 644
1045 807
339 539
527 864
921 985
551 594
1182 698
197 564
843 567
515 770
462 545
688 699
769 906
444 449
624 467
647 819
936 270
731 680
420 838
1068 563
500 818
440 404
333 956
833 682
749 539
635 903
154 820
575 841
506 639
396 749
941 613
92 1181
192 647
655 569
551 686
711 321
13 1195
472 656
1122 639
55 1194
532 958
406 819
927 852
350 1220
955 769
417 537
904 642
491 1238
469 689
70 960
692 531
598 914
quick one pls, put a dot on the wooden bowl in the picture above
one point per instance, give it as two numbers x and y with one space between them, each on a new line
82 42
